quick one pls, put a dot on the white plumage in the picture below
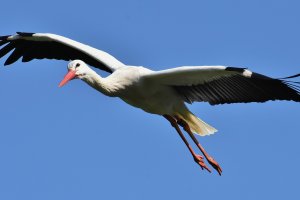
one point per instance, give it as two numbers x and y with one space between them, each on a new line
140 87
159 92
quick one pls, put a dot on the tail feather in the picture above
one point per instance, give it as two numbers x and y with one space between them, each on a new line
198 126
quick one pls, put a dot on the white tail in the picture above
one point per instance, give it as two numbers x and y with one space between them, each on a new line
197 126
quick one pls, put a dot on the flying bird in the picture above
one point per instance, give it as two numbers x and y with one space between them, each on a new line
162 92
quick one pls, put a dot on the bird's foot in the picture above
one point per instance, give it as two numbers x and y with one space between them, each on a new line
200 161
214 164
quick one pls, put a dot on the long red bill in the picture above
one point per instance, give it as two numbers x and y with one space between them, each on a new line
69 76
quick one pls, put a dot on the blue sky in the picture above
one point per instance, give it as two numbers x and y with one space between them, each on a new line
74 143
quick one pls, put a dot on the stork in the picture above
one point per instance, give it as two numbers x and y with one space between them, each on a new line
162 92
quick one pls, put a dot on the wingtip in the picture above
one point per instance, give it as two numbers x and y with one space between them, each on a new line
8 62
289 77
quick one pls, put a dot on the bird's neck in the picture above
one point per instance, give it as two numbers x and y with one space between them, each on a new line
99 83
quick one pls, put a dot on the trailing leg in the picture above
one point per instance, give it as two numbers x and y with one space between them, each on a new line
198 159
211 161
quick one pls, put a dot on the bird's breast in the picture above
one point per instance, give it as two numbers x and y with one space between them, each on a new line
153 99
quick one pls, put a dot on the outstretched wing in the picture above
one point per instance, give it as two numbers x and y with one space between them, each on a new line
43 45
220 84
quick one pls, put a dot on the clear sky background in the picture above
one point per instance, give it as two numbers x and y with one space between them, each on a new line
75 143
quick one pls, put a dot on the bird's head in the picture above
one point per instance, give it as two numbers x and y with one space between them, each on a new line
76 69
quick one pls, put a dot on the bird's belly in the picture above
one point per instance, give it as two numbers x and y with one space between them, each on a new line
161 101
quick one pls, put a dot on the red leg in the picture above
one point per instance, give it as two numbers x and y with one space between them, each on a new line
198 159
211 161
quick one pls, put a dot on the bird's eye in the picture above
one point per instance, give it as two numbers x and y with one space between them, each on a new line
77 65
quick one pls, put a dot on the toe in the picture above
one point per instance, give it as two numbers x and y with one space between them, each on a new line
215 165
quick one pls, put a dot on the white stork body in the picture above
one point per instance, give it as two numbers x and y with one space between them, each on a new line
128 84
134 86
159 92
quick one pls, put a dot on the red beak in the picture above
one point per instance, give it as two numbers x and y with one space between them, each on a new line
69 76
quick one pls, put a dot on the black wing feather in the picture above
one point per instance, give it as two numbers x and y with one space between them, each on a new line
2 42
6 49
30 50
16 54
241 89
